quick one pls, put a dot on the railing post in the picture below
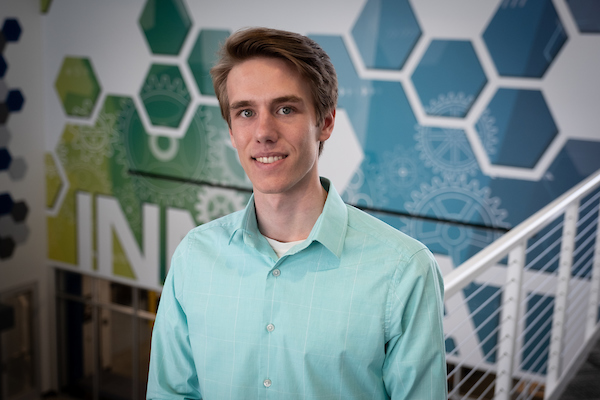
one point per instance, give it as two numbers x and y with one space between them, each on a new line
592 312
560 301
509 316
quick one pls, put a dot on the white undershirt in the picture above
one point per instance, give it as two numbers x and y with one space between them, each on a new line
281 248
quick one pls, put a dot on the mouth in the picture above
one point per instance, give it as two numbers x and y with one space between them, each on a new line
268 160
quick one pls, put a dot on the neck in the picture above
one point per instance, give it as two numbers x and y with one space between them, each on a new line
289 217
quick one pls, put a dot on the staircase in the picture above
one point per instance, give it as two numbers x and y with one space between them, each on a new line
522 315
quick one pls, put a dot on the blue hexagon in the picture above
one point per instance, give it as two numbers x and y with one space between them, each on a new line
2 42
6 203
385 33
524 38
379 110
5 159
586 14
516 128
448 78
3 66
11 30
15 100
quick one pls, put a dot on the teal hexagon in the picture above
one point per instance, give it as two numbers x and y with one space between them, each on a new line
204 56
165 95
166 24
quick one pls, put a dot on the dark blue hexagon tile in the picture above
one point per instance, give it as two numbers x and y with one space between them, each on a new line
524 38
11 29
449 78
385 33
516 128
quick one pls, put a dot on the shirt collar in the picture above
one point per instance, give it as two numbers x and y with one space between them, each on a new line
329 230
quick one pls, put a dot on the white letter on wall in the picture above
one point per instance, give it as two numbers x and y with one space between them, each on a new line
84 231
109 217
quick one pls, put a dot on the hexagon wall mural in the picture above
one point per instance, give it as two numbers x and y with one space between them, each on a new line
77 86
445 124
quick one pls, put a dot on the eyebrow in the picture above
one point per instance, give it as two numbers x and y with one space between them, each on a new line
283 99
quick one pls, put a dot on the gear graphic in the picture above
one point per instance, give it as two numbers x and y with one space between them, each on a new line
95 143
450 105
222 165
165 193
460 200
84 176
163 85
488 132
400 169
447 151
214 203
368 186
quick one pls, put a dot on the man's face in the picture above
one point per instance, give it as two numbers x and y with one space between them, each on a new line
273 125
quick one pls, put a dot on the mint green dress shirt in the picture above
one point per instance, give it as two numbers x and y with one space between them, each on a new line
353 312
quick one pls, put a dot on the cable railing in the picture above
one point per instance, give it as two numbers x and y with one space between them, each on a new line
522 314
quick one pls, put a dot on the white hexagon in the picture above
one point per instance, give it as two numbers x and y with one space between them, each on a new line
342 154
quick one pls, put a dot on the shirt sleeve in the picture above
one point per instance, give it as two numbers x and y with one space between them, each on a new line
415 363
172 371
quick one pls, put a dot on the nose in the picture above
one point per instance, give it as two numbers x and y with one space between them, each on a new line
266 130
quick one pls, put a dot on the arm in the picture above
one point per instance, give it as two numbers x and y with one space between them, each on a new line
172 371
415 364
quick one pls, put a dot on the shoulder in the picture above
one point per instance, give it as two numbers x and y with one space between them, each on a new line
386 238
210 235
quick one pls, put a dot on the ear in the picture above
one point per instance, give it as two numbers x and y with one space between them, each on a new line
327 128
232 139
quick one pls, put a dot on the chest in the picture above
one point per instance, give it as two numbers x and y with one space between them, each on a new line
293 307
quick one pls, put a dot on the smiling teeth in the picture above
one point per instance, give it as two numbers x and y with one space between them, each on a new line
268 160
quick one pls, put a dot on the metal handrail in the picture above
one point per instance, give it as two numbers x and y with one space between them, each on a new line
460 277
556 341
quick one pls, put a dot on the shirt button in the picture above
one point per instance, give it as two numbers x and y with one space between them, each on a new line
267 383
270 327
276 272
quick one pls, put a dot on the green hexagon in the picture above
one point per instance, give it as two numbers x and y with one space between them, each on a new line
165 95
77 86
204 56
165 23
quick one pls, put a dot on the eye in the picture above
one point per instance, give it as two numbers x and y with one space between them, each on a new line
246 113
285 110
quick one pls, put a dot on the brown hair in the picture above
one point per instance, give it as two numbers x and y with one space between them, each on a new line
305 54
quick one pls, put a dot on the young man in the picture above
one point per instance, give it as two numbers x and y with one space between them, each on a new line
298 296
